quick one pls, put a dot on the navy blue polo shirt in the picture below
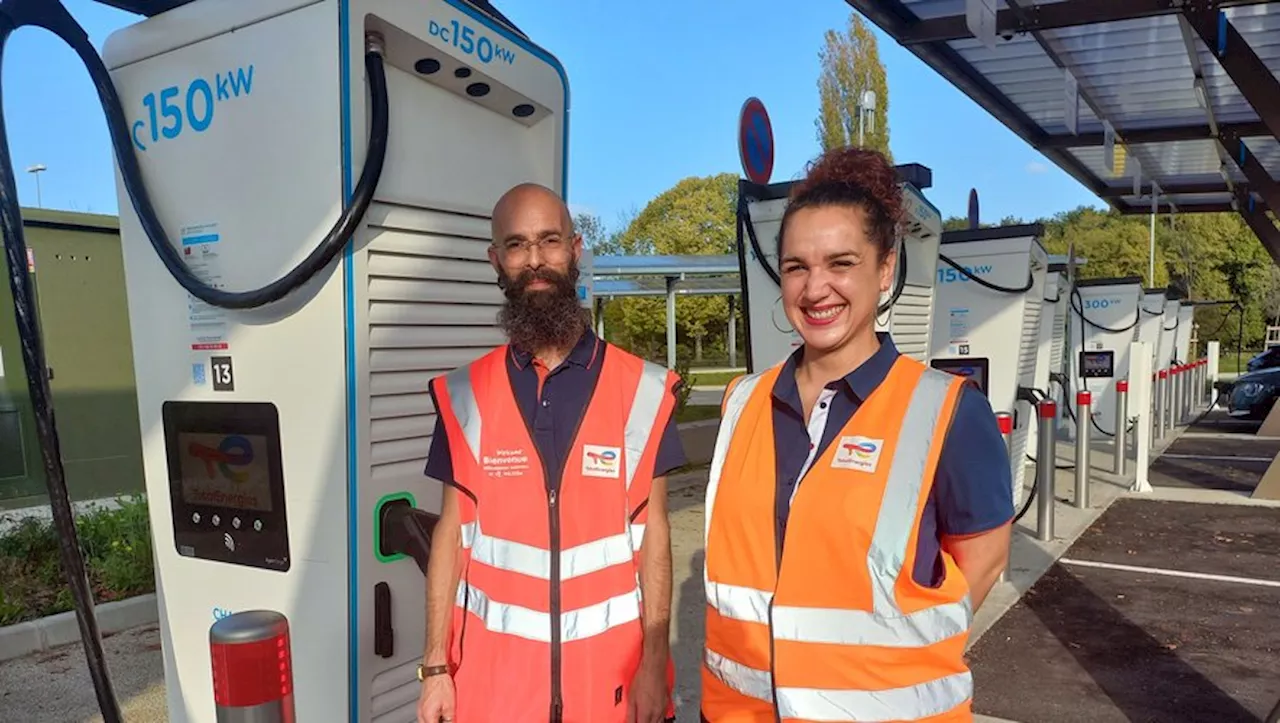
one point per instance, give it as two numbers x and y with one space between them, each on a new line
552 403
972 491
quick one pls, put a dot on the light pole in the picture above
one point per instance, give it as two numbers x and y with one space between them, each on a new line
866 113
36 170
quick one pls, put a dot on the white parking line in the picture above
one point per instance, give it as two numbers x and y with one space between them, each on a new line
1215 458
1172 573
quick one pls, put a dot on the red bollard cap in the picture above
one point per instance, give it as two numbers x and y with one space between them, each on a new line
1084 397
251 666
1047 409
1005 420
1122 385
1164 373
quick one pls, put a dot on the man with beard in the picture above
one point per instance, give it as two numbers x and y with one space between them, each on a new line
549 584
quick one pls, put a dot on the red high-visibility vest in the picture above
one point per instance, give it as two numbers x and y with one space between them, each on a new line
548 611
837 629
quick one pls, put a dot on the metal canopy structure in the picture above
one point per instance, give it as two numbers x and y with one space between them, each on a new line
1186 88
658 265
718 286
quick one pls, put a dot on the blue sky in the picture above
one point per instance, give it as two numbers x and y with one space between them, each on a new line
656 89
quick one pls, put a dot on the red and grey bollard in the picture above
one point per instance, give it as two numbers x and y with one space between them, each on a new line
1046 464
252 668
1162 396
1005 421
1122 425
1084 412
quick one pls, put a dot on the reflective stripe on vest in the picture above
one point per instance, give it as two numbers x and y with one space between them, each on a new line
885 625
576 561
916 701
577 624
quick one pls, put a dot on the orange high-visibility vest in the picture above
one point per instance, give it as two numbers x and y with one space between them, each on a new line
547 621
835 628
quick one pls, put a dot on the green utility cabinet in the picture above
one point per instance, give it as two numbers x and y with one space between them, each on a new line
84 318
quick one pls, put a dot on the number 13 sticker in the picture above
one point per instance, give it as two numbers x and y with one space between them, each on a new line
224 378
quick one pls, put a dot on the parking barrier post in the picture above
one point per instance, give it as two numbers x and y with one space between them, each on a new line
252 668
1179 380
1162 382
1122 424
1084 412
1005 421
1046 463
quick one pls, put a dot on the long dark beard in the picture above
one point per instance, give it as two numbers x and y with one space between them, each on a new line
542 319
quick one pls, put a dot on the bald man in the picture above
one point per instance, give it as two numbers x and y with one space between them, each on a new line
549 585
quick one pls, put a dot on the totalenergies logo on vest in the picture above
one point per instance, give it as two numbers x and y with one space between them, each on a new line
232 452
856 452
598 461
862 450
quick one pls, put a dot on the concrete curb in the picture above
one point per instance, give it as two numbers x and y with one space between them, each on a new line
35 636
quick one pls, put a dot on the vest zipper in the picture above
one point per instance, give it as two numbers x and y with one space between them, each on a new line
773 673
553 519
553 508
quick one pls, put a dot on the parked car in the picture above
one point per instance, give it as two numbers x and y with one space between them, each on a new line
1252 394
1268 359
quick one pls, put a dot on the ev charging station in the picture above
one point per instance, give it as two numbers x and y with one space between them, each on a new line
284 442
987 326
1168 333
1151 325
1182 339
1104 319
906 312
1052 341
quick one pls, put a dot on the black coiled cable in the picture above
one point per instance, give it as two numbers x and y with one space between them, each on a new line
1031 279
52 16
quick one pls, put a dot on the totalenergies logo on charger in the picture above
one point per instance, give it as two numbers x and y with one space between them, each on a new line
233 452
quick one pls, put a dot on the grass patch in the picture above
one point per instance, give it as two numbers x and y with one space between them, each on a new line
712 379
1227 361
115 543
697 413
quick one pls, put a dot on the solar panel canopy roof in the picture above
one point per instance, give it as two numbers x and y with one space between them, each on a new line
1171 105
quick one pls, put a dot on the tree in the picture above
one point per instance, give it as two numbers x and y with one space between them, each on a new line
696 216
594 236
851 66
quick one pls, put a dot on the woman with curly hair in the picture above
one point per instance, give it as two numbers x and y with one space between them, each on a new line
859 505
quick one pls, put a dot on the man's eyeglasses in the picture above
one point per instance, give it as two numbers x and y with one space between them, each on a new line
551 246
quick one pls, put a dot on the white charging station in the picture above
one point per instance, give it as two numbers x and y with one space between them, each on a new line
993 336
771 337
1151 325
274 437
1103 322
1168 332
1186 324
1052 340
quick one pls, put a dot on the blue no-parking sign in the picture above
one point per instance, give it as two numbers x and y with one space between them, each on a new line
755 141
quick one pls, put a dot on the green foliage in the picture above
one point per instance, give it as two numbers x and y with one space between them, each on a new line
850 65
696 216
685 389
116 545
